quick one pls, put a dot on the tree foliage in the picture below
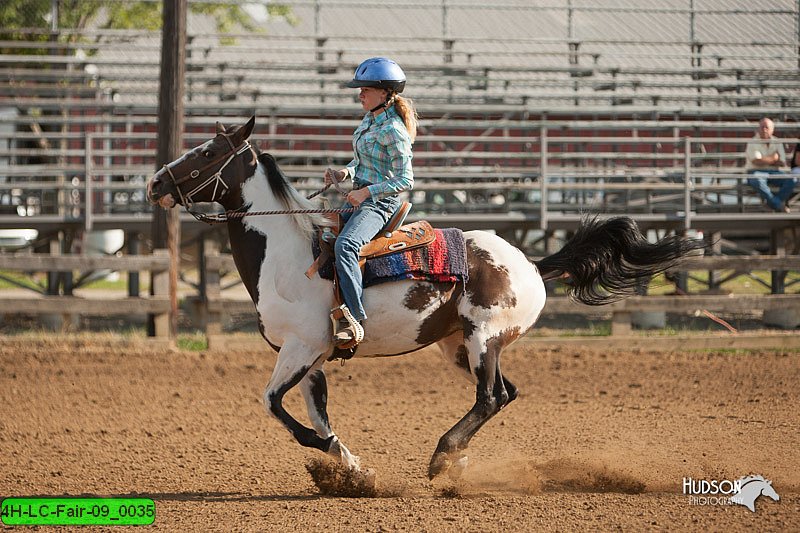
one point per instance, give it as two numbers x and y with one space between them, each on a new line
18 17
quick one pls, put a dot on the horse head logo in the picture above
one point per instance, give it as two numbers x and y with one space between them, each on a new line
751 487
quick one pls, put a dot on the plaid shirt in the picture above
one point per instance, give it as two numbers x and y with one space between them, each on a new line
382 159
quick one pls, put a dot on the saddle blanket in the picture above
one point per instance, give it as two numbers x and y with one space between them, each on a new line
443 260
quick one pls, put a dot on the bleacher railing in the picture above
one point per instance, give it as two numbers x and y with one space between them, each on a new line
463 180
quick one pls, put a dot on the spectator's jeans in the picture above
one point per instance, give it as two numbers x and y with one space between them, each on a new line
762 183
360 227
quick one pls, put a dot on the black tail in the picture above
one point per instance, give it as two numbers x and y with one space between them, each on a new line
607 259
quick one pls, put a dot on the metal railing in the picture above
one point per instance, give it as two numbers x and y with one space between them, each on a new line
680 179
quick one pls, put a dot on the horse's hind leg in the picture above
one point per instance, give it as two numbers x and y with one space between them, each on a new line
314 387
493 392
455 351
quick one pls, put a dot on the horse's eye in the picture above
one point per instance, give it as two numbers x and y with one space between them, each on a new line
207 153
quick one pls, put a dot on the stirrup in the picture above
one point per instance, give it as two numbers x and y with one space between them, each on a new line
347 331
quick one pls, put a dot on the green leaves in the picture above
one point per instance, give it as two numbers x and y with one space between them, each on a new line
137 15
82 14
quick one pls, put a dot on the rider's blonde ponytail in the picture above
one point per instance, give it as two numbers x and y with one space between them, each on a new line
405 108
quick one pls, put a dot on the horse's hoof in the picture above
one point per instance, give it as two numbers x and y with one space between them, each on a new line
452 463
343 456
439 463
457 468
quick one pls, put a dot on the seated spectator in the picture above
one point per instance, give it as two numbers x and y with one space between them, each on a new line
765 157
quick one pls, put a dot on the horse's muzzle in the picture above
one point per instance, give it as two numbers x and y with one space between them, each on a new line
153 189
156 195
151 195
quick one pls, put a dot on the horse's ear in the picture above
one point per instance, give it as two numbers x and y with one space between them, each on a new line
220 128
246 130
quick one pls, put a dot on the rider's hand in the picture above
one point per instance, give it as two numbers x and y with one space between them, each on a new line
331 175
357 197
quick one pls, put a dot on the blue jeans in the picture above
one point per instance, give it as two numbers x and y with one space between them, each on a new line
762 184
360 227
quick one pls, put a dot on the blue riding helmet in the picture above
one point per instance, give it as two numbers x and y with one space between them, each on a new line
381 73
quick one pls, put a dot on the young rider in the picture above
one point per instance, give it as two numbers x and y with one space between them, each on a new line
380 169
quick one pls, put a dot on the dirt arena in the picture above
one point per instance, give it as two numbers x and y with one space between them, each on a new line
595 441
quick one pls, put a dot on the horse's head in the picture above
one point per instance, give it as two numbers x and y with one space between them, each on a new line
769 491
205 173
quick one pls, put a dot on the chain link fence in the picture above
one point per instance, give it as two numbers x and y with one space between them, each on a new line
656 33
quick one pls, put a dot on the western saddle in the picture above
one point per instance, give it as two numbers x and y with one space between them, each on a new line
393 237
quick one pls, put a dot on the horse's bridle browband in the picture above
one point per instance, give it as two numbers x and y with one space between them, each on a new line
186 199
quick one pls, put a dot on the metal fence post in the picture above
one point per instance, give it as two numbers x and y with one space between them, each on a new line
543 176
687 183
88 192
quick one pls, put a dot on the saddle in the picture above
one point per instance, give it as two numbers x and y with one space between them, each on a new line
393 237
405 237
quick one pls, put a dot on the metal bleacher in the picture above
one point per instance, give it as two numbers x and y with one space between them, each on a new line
518 133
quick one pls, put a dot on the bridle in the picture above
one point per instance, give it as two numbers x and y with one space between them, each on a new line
215 178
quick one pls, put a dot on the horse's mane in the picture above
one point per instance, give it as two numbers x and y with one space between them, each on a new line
289 197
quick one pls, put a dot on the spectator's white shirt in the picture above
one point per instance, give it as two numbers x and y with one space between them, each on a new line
766 148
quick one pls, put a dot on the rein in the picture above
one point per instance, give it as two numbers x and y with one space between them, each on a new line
221 218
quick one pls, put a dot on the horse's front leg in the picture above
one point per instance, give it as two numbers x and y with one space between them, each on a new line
296 362
315 392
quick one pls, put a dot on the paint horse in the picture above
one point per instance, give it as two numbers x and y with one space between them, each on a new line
472 322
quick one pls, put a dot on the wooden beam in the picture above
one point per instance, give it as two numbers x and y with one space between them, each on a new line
86 306
52 263
735 303
745 263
